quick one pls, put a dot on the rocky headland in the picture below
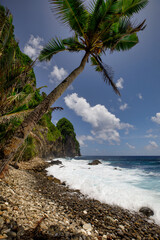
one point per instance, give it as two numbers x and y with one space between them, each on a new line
36 206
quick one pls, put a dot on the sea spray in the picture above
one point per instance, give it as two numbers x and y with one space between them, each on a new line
130 188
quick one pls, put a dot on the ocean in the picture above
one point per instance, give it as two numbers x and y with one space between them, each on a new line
130 182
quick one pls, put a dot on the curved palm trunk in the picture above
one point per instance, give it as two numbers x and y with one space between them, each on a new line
13 144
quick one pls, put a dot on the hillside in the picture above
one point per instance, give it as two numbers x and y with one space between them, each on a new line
19 96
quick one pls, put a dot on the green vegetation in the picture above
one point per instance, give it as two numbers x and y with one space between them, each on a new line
30 149
66 128
53 133
8 128
18 94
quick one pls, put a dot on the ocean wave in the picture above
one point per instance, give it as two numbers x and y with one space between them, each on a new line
119 186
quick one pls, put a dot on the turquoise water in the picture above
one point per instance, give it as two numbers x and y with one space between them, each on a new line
148 165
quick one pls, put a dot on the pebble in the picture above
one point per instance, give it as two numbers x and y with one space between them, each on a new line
87 226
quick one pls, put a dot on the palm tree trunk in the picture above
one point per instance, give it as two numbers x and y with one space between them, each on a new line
13 144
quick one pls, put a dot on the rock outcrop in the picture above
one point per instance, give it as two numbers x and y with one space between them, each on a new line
146 211
95 162
47 141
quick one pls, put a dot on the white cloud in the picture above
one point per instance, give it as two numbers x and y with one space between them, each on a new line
156 118
83 138
123 107
57 75
119 100
140 96
130 146
150 136
151 146
105 125
119 83
33 47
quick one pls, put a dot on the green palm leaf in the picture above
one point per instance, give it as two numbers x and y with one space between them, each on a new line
71 12
127 42
53 47
122 35
129 7
106 71
98 10
72 44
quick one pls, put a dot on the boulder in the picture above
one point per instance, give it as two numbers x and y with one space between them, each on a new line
95 162
56 162
146 211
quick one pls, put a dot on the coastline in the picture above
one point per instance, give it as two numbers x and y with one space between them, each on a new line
35 206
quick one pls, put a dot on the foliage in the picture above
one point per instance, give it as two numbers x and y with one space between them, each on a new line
53 133
8 128
18 94
15 67
30 150
66 128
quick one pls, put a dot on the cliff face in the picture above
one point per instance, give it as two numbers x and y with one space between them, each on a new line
19 96
56 148
48 141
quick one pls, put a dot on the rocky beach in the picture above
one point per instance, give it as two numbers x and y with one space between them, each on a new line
36 206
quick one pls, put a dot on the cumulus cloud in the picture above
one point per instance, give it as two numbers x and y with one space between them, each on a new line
119 83
33 47
105 125
140 96
57 75
151 146
130 146
81 139
156 118
123 107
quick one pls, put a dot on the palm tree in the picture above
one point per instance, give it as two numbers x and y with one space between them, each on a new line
106 25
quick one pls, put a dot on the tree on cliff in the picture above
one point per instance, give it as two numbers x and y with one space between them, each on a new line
106 25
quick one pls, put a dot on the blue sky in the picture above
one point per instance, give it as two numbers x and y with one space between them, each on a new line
104 123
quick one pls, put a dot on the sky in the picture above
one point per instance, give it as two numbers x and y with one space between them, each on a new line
105 124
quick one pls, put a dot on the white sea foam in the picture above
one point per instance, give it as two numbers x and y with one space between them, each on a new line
124 187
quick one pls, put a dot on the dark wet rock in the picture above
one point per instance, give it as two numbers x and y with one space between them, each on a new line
15 165
95 162
146 211
55 162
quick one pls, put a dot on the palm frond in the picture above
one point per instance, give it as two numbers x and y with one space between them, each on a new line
106 71
97 14
122 35
72 44
71 12
129 7
53 47
126 42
